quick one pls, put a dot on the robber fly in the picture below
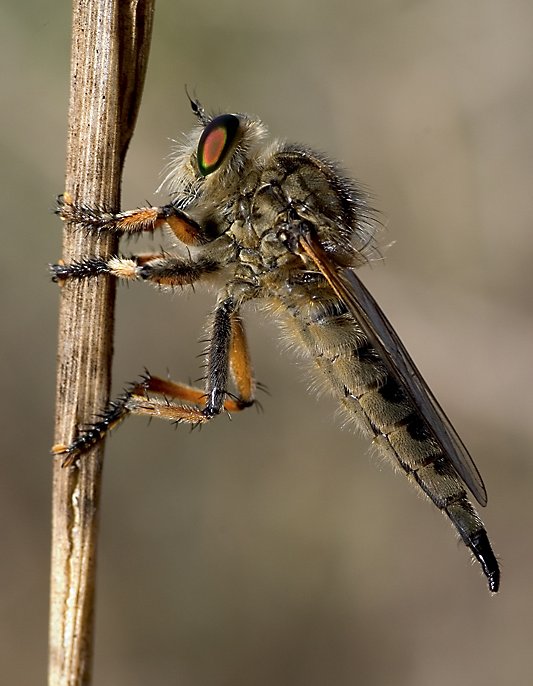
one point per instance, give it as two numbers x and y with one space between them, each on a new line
279 224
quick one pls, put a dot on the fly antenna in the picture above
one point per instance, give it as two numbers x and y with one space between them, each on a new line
196 107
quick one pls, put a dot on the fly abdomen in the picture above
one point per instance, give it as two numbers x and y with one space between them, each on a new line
377 403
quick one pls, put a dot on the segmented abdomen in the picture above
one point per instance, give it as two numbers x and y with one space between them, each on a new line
372 398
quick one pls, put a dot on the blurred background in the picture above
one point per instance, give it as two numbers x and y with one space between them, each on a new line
274 548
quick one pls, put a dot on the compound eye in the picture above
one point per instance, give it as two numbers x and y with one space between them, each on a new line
215 142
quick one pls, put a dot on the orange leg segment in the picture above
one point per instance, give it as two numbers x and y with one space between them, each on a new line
143 219
191 401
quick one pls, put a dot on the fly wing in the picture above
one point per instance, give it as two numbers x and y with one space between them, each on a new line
389 347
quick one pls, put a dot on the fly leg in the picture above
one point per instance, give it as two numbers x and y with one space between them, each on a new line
160 269
101 220
227 355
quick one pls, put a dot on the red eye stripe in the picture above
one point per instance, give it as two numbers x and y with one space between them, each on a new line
216 141
214 147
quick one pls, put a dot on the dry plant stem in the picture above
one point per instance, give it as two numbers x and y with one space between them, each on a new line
110 40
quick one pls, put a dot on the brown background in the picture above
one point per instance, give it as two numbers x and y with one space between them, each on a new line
273 549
